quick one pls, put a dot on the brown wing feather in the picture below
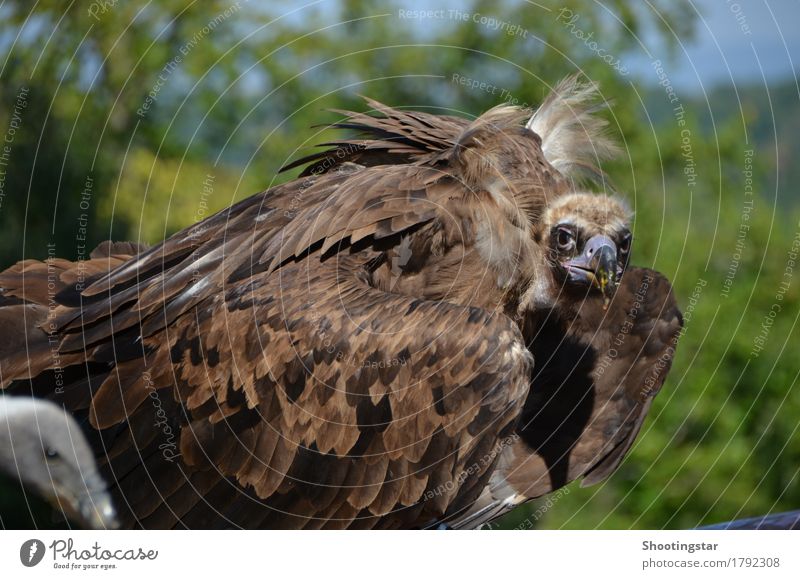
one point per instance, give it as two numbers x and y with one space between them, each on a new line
657 324
393 136
307 414
241 381
597 373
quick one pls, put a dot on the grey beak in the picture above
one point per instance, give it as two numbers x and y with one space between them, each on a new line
596 266
97 511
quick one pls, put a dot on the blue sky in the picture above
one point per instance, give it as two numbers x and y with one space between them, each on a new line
736 41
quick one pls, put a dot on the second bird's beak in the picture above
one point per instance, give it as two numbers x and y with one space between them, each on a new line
597 266
91 510
98 511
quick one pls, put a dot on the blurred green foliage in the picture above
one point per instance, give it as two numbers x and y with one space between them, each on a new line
147 103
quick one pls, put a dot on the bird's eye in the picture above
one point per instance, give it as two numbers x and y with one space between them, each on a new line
51 453
625 243
565 239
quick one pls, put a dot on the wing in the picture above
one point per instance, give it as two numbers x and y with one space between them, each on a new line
309 400
597 373
643 360
234 377
353 406
393 136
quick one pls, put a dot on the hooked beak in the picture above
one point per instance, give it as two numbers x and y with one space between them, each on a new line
98 511
93 510
597 266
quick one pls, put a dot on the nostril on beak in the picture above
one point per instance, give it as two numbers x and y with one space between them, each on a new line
597 243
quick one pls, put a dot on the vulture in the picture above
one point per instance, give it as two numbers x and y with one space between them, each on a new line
43 447
433 323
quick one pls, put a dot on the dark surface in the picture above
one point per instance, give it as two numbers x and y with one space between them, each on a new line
789 520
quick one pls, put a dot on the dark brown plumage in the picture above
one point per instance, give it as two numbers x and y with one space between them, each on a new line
355 348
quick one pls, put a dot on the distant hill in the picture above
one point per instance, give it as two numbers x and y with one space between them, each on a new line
767 112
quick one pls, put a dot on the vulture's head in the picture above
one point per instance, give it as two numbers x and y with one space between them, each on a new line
588 241
43 447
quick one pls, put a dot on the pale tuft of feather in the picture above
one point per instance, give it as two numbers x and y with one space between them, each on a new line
574 137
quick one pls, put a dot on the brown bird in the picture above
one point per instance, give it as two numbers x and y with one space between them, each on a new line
355 348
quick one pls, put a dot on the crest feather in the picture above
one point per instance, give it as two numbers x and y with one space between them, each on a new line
574 137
